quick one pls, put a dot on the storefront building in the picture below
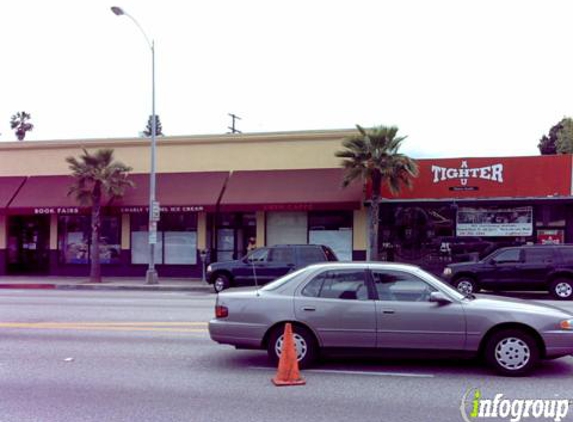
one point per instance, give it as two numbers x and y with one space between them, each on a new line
461 209
217 192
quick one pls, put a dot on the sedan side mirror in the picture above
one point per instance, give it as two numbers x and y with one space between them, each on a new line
440 298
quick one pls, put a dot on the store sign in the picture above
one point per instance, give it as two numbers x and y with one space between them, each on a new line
505 222
56 210
550 237
185 208
544 176
464 173
288 207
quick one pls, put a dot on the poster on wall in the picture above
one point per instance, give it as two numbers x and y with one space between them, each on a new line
510 222
551 237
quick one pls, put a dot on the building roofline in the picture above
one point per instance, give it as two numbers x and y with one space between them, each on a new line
293 136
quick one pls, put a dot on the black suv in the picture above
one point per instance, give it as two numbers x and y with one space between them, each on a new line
547 267
262 265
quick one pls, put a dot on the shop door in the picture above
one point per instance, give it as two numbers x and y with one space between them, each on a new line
28 249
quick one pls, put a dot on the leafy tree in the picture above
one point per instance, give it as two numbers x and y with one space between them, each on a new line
372 156
560 139
20 123
564 144
97 177
149 129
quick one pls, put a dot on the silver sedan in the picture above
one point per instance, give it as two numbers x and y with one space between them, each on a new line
384 307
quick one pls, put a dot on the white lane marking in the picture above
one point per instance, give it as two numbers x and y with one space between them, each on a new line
342 372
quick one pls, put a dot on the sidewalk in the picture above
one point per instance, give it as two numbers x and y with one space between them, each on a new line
108 283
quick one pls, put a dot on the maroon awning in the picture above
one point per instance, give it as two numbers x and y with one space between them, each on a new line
8 188
290 190
174 191
45 195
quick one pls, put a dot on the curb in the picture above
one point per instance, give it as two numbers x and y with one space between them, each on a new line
122 287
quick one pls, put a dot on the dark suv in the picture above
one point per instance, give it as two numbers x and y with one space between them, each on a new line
547 267
262 265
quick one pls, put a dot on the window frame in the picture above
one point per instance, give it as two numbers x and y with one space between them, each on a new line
367 283
393 271
63 243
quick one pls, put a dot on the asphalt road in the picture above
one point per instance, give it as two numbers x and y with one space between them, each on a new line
126 356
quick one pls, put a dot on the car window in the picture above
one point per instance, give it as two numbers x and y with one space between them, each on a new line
509 255
330 255
258 255
311 255
538 255
401 287
338 284
285 255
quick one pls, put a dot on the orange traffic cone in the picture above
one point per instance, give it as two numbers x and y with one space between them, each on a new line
287 373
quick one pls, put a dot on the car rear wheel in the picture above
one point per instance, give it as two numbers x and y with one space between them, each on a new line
305 343
562 289
466 285
221 282
512 352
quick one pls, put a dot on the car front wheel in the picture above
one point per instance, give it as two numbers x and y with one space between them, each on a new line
466 285
562 289
305 343
221 282
512 352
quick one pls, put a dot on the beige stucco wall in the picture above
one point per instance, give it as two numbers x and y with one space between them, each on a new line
263 151
259 151
201 230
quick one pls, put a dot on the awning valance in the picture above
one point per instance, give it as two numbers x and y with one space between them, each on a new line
290 190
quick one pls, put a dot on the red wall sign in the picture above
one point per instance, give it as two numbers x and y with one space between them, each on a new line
512 177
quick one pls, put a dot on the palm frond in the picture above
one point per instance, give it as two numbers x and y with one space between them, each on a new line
375 152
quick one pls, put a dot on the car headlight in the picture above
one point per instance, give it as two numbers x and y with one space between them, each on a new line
567 324
447 272
209 269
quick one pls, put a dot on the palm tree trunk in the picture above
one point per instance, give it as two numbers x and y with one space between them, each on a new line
95 268
374 217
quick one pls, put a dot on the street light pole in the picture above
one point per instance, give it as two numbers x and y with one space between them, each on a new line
151 275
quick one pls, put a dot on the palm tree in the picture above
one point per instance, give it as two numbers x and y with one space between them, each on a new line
19 121
97 177
372 156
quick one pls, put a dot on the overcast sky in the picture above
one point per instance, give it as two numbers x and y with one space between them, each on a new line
460 78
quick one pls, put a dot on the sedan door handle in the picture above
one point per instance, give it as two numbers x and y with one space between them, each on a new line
309 308
388 311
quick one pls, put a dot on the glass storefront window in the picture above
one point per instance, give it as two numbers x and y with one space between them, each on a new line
287 228
552 215
74 238
233 233
176 239
333 229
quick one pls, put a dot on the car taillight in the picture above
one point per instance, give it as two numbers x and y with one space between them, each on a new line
221 311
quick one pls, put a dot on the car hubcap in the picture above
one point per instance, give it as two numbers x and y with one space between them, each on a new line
512 353
563 290
465 287
219 284
299 342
